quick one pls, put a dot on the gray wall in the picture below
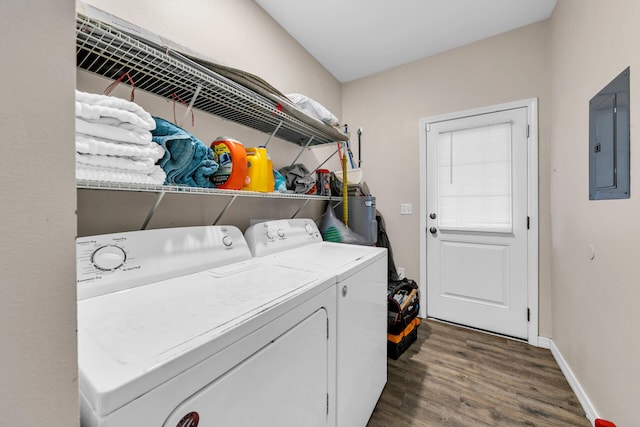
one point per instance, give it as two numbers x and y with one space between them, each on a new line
38 364
595 302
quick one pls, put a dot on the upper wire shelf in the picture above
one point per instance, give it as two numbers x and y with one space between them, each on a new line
106 51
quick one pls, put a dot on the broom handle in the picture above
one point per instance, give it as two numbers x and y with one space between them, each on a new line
345 207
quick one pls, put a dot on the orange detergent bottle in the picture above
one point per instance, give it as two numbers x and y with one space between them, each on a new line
231 157
259 172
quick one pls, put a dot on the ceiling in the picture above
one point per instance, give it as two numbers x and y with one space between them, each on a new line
357 38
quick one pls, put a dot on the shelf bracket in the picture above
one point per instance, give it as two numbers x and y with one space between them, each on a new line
326 160
274 133
153 210
193 101
301 151
233 199
300 208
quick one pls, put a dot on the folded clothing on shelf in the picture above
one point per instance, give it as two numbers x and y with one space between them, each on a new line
313 108
91 173
132 164
298 178
113 141
187 161
113 132
94 107
87 144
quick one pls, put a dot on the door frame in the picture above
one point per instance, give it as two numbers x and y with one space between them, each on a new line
532 203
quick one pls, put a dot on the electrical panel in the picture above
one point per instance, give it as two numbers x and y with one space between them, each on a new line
609 137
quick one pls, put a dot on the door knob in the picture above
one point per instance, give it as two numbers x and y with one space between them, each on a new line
433 230
432 215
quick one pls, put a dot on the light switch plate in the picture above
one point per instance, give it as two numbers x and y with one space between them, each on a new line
406 209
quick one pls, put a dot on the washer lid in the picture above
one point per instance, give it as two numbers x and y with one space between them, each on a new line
340 258
132 341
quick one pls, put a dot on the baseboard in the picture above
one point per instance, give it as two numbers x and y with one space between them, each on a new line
587 406
544 342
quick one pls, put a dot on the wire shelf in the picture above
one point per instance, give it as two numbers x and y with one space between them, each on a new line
104 50
179 189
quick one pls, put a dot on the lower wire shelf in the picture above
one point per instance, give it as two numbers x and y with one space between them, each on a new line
162 190
180 189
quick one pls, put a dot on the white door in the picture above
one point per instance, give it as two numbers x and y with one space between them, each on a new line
477 221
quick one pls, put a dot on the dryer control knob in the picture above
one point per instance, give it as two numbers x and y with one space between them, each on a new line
108 258
269 234
227 241
280 232
308 228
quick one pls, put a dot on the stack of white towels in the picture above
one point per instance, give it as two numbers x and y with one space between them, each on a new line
113 141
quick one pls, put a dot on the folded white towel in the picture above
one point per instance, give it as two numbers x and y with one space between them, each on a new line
144 165
87 144
93 106
156 177
108 115
117 123
113 132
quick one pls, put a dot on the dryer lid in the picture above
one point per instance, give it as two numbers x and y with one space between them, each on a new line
132 341
343 259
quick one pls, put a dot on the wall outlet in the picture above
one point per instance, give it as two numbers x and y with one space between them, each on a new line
400 271
406 209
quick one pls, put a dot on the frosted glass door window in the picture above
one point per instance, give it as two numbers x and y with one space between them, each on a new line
474 179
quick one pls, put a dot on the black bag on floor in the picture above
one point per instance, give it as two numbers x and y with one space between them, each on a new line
403 302
383 242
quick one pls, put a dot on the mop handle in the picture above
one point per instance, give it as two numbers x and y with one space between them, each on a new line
345 207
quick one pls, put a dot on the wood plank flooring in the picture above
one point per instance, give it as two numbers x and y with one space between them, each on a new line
453 376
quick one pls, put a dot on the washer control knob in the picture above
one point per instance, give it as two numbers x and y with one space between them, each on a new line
227 241
108 258
280 232
308 228
269 234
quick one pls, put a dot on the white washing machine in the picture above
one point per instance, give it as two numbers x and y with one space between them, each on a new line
361 277
180 328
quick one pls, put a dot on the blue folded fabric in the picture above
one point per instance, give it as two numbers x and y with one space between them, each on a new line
187 161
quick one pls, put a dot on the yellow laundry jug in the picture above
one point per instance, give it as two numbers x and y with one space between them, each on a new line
259 174
272 181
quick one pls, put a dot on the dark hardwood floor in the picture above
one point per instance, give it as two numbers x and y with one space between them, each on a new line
453 376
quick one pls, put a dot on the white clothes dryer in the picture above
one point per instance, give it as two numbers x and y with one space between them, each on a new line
180 328
361 276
